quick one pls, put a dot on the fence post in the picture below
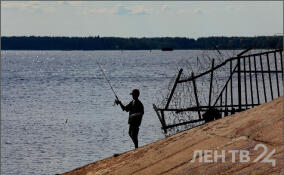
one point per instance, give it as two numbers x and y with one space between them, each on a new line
231 72
195 93
263 81
256 81
269 74
245 82
173 90
211 82
281 61
226 103
161 118
250 78
277 79
239 84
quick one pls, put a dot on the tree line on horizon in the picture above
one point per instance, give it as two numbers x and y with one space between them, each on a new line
117 43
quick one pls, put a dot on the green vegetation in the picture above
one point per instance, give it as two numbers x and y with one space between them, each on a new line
116 43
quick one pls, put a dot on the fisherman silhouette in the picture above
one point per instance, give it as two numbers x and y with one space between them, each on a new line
136 111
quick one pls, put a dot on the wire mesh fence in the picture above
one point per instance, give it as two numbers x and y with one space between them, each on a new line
229 85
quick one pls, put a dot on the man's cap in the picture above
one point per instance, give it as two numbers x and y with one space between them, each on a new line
135 91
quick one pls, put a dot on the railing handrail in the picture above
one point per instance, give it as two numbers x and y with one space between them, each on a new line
225 62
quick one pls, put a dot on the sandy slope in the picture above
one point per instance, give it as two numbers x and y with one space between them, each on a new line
172 155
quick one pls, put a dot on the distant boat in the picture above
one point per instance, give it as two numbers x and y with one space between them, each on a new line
167 49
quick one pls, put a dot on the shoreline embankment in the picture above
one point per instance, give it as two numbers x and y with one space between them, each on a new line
262 125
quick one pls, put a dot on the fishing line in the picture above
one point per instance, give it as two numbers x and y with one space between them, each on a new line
107 80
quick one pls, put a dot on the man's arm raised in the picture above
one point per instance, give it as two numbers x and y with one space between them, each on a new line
118 102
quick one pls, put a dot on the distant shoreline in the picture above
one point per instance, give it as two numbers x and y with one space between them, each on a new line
116 43
132 50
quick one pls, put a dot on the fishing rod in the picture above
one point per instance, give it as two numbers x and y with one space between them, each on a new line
108 83
107 80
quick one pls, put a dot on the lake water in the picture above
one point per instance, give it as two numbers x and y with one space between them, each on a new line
41 90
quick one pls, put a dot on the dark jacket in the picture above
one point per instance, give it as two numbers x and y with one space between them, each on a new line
135 106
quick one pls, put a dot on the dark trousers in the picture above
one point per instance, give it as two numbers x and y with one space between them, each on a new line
133 133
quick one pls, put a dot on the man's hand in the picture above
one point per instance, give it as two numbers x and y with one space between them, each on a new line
117 102
136 115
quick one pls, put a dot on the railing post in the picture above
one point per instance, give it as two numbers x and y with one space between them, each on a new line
195 93
164 122
245 82
226 103
263 81
239 84
231 72
256 81
269 75
211 82
277 79
161 118
251 88
281 61
173 90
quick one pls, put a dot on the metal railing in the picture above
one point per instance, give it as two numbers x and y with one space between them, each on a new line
254 79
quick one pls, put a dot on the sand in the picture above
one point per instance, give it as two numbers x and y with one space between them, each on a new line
172 155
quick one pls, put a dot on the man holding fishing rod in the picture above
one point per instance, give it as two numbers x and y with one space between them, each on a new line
135 109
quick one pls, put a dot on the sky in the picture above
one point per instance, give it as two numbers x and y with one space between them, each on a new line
190 19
